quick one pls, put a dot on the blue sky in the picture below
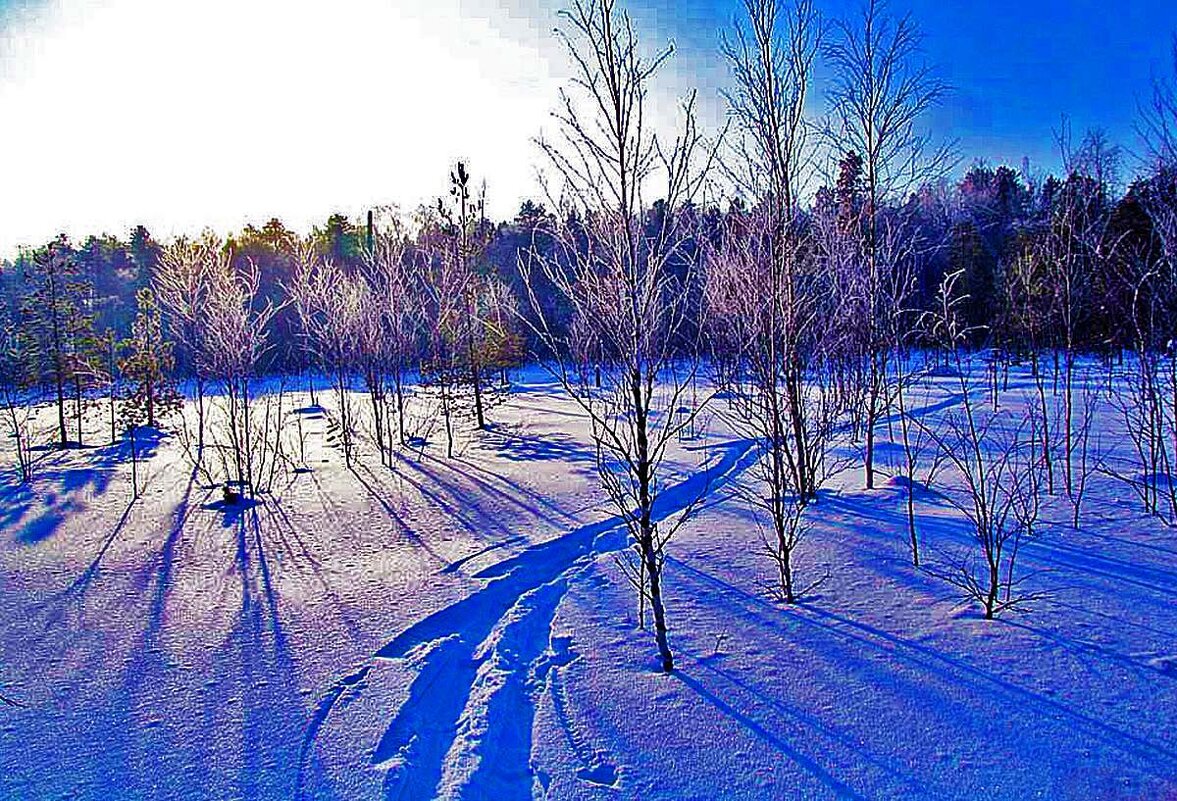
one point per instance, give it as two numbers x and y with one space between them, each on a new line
1016 67
182 115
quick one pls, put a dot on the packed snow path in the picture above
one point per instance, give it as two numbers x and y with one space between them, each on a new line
465 729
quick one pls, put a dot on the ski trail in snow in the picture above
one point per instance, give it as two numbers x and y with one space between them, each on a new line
490 757
465 729
595 765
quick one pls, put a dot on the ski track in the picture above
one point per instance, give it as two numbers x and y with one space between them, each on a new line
595 765
464 732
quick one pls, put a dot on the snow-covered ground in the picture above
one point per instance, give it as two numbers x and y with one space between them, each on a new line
460 629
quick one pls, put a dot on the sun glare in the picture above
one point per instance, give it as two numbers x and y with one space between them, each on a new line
221 112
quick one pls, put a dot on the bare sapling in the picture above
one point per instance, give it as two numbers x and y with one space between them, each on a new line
994 479
236 342
897 250
1140 408
1147 403
629 289
331 307
766 295
1150 410
919 449
1073 251
395 319
880 94
1088 453
911 442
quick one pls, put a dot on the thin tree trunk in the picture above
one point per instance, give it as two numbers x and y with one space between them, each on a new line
654 576
400 408
78 404
646 524
909 460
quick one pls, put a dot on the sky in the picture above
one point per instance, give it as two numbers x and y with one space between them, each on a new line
182 115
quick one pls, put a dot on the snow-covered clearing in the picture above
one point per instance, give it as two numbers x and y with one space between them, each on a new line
459 629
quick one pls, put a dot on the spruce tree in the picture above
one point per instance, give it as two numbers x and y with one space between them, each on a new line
147 367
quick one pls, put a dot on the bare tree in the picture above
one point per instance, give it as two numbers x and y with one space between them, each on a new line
628 286
1148 403
182 289
1157 120
393 326
766 294
332 307
778 388
1149 409
235 339
1073 250
898 250
994 478
880 94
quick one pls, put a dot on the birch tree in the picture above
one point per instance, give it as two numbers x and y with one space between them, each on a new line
766 297
183 289
881 91
627 286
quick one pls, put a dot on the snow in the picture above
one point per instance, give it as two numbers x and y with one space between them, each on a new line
460 629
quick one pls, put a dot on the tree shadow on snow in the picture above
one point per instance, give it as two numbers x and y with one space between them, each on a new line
900 662
809 765
36 510
529 448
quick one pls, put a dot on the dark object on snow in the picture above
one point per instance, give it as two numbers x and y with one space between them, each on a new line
231 494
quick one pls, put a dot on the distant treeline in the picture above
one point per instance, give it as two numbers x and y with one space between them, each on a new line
1026 248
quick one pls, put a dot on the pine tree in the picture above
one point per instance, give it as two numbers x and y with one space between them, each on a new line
56 315
147 367
83 361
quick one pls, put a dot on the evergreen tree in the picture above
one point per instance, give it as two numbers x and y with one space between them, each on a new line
147 367
144 253
55 311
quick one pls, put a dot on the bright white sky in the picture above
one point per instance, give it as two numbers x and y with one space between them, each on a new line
181 115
